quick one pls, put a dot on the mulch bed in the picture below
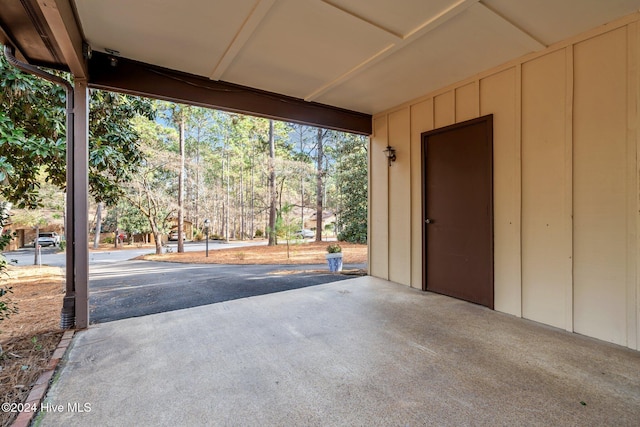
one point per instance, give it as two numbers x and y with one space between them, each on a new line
30 336
296 253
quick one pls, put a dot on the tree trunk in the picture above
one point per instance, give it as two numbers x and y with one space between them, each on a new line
197 195
96 238
301 186
36 255
272 187
181 187
252 229
116 238
319 192
243 232
158 238
227 202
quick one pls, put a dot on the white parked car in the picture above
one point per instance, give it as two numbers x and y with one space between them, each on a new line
49 238
305 233
174 235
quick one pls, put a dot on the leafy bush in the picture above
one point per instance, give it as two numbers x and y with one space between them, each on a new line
351 176
259 233
198 236
334 249
107 239
354 233
7 307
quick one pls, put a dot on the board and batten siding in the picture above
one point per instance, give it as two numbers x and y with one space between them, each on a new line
566 195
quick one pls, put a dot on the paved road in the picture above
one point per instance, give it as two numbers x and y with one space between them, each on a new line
136 288
120 287
52 256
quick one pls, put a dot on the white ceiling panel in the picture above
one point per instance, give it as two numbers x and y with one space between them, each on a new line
364 55
301 45
185 35
469 43
551 21
399 18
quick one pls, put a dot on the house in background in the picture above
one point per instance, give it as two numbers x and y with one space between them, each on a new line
23 223
328 221
503 160
187 228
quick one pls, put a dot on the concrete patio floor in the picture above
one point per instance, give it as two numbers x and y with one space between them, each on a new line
356 352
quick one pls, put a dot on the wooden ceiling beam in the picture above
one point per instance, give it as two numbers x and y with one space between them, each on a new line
137 78
62 22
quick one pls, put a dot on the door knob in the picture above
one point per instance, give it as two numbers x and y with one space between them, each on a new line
428 221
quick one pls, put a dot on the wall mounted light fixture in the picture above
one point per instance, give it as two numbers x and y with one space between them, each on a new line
390 152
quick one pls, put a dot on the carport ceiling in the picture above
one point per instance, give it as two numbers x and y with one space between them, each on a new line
360 55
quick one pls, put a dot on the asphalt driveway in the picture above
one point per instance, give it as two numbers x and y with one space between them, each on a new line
135 288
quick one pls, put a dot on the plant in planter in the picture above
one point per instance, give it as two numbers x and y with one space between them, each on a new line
334 257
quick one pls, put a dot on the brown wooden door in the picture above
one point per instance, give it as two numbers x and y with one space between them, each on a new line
458 210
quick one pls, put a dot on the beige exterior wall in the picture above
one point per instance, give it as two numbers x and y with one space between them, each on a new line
378 201
399 202
566 195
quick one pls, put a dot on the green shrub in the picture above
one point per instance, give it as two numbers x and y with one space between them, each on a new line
354 234
7 307
259 233
334 248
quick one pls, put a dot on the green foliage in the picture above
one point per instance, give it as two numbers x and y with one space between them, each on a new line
32 137
7 307
133 156
152 190
334 248
286 226
36 346
114 151
130 220
351 178
32 126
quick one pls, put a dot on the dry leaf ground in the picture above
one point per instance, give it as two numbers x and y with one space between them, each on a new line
298 253
29 337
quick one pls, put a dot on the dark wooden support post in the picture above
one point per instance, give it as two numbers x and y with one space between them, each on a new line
80 207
